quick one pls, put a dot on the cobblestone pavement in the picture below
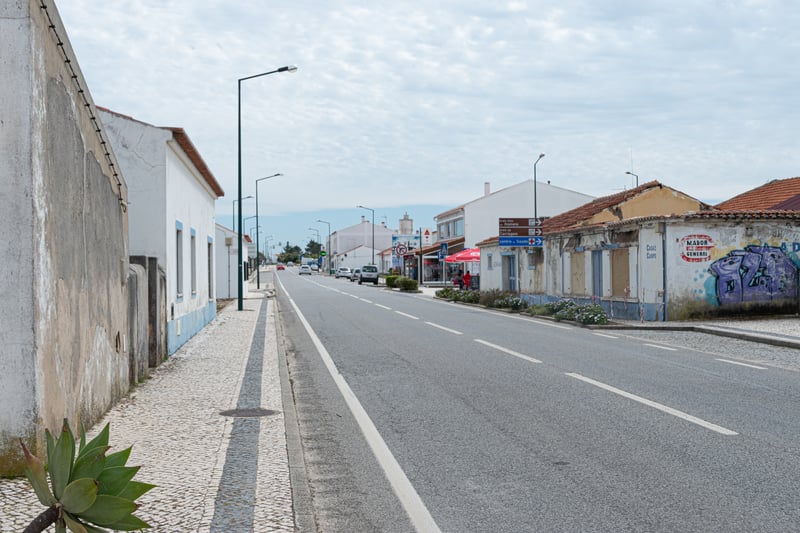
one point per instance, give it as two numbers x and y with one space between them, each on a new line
184 444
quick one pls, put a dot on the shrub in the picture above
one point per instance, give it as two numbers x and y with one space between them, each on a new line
391 280
490 297
591 314
407 284
446 293
513 302
470 297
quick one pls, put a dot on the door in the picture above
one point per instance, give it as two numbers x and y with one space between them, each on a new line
597 273
510 273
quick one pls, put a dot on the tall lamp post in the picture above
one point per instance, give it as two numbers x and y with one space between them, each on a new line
636 176
233 220
535 207
258 270
328 245
373 231
289 68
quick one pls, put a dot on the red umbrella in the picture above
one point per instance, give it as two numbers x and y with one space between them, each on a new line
470 255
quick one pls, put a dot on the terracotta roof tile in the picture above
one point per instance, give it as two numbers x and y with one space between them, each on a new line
767 196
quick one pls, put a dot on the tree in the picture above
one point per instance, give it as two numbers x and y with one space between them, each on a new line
313 249
290 254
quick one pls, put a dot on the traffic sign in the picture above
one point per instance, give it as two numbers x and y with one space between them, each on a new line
443 250
535 242
520 231
521 222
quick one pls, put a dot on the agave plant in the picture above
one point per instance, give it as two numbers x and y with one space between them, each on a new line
86 493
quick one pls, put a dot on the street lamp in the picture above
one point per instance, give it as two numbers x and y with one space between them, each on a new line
289 68
636 175
258 270
373 231
233 220
328 245
535 209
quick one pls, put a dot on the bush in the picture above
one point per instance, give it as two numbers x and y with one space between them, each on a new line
512 302
407 284
591 314
447 293
391 280
470 297
490 297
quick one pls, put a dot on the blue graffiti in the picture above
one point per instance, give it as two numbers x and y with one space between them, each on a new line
755 274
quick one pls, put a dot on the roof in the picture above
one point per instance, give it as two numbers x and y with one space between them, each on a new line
188 147
767 196
449 212
572 217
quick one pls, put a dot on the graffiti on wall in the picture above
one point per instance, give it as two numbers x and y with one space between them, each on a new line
754 274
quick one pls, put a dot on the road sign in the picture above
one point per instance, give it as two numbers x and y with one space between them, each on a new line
536 242
520 231
520 222
443 250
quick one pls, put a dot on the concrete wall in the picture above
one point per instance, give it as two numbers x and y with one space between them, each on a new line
138 349
64 293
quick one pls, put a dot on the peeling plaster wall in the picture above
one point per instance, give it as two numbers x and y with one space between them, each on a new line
64 309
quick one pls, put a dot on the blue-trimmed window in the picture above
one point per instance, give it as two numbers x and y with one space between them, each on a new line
210 268
178 259
193 260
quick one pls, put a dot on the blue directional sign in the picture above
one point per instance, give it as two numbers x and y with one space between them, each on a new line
536 242
443 250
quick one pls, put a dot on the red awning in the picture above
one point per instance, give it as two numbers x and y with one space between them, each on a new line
470 255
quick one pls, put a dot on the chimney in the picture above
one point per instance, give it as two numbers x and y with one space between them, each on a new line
363 219
487 188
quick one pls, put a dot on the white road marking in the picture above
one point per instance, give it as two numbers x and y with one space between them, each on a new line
506 350
384 307
742 364
365 300
661 347
407 315
550 324
606 336
412 503
655 405
453 331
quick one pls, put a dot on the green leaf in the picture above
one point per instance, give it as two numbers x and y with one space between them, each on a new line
113 480
37 476
134 489
108 509
51 445
118 458
73 525
90 464
61 526
101 440
61 461
79 495
130 523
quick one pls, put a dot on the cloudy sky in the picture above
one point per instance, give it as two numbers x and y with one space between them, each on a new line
413 105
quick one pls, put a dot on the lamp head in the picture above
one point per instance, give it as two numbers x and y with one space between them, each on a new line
288 68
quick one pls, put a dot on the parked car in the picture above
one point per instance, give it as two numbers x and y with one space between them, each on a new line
281 266
355 274
314 267
343 272
305 269
368 273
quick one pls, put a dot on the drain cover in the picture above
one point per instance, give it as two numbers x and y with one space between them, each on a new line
251 412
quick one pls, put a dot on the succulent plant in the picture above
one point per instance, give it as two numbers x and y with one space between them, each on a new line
87 492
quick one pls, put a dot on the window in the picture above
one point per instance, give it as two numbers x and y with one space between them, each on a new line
193 261
459 228
210 269
489 262
179 260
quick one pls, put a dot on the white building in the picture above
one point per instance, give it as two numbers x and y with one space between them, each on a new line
171 215
343 241
226 256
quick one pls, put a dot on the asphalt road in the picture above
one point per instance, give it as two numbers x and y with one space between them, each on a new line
496 422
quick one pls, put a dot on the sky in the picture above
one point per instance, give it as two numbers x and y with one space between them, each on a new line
410 106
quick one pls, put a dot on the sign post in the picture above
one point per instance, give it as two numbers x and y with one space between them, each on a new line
526 232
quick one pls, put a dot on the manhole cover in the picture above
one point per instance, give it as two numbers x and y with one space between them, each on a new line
249 412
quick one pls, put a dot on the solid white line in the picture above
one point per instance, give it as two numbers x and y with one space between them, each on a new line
384 307
406 315
546 323
365 300
353 296
661 347
606 336
506 350
655 405
742 364
453 331
412 503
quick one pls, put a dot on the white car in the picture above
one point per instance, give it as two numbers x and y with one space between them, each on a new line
355 274
305 269
368 273
343 272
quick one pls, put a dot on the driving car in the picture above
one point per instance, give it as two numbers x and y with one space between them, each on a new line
314 267
354 274
281 266
343 272
368 273
305 269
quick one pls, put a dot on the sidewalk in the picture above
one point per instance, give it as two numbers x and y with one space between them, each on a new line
215 472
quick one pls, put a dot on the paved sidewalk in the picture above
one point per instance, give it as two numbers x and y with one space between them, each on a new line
215 473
